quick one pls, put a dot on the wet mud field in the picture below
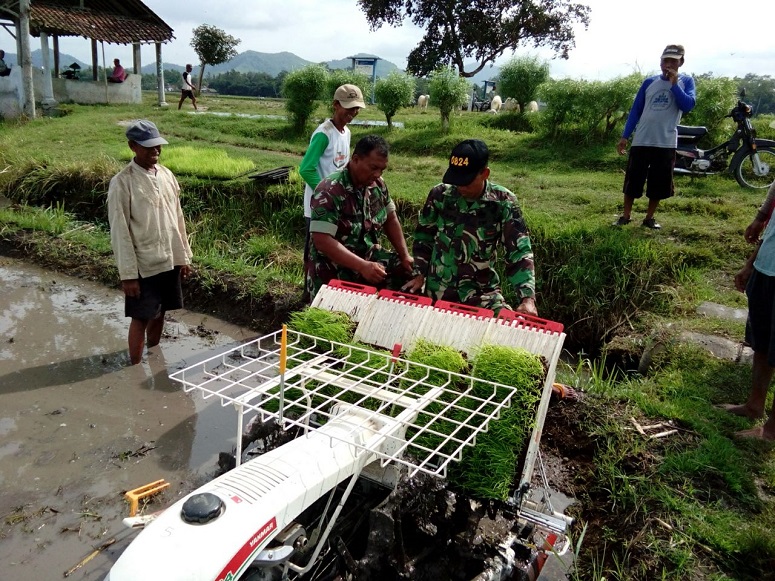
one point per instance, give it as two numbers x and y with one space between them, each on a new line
79 426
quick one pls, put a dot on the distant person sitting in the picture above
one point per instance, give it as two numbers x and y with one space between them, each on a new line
5 70
119 74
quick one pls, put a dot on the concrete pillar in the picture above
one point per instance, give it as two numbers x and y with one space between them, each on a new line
47 88
160 76
25 59
136 58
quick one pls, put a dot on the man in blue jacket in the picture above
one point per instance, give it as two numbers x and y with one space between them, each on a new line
654 117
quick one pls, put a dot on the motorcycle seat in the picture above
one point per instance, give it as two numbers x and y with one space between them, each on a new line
691 131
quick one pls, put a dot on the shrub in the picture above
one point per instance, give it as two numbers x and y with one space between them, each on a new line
591 109
715 99
394 92
302 88
338 77
447 91
520 78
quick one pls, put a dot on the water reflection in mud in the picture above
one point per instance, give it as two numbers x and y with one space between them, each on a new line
79 426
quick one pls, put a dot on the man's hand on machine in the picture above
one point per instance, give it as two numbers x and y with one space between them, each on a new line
528 306
372 272
415 285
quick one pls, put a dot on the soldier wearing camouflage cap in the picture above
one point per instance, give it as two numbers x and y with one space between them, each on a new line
464 222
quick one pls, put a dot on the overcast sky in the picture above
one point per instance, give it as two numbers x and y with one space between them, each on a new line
623 36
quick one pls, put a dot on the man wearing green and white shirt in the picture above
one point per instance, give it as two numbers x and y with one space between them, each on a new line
329 147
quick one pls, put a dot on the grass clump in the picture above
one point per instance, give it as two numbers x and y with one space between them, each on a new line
361 360
79 184
509 366
331 325
439 356
487 470
205 162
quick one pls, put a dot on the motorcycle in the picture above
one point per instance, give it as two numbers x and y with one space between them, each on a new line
753 160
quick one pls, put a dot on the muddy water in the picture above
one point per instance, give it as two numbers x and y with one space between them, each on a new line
79 426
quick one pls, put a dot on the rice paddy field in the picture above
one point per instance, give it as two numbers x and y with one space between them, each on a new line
695 505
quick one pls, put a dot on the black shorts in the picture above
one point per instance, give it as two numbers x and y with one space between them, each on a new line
158 293
652 166
760 326
189 94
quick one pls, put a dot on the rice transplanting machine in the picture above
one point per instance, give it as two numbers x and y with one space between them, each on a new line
357 411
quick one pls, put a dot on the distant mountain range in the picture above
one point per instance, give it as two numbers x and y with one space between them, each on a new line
251 61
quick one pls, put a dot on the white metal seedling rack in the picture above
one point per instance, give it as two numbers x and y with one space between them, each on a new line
386 318
435 413
440 412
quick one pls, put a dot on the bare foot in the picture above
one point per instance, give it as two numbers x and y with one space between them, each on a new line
756 433
741 410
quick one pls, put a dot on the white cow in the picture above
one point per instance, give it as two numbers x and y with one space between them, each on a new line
422 101
531 107
510 105
496 103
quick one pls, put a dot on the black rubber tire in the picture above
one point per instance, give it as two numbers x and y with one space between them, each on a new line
742 168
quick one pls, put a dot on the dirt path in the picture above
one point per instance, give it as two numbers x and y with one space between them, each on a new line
79 426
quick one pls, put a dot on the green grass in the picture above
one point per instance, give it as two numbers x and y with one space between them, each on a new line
632 286
330 325
205 162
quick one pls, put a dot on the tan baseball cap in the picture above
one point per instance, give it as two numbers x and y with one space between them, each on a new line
349 96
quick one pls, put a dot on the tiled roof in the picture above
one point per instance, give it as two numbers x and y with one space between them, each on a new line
114 21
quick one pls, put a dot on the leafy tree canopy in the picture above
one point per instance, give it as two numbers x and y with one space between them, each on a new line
213 46
482 30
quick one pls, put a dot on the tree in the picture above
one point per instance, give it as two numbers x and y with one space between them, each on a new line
213 47
447 91
759 92
301 89
460 30
520 78
392 93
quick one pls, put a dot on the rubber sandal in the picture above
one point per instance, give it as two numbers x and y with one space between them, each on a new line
565 392
622 221
651 223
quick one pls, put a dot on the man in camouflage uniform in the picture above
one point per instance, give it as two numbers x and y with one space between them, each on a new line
351 209
463 222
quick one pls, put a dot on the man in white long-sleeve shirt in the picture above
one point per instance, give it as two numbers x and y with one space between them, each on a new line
148 236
